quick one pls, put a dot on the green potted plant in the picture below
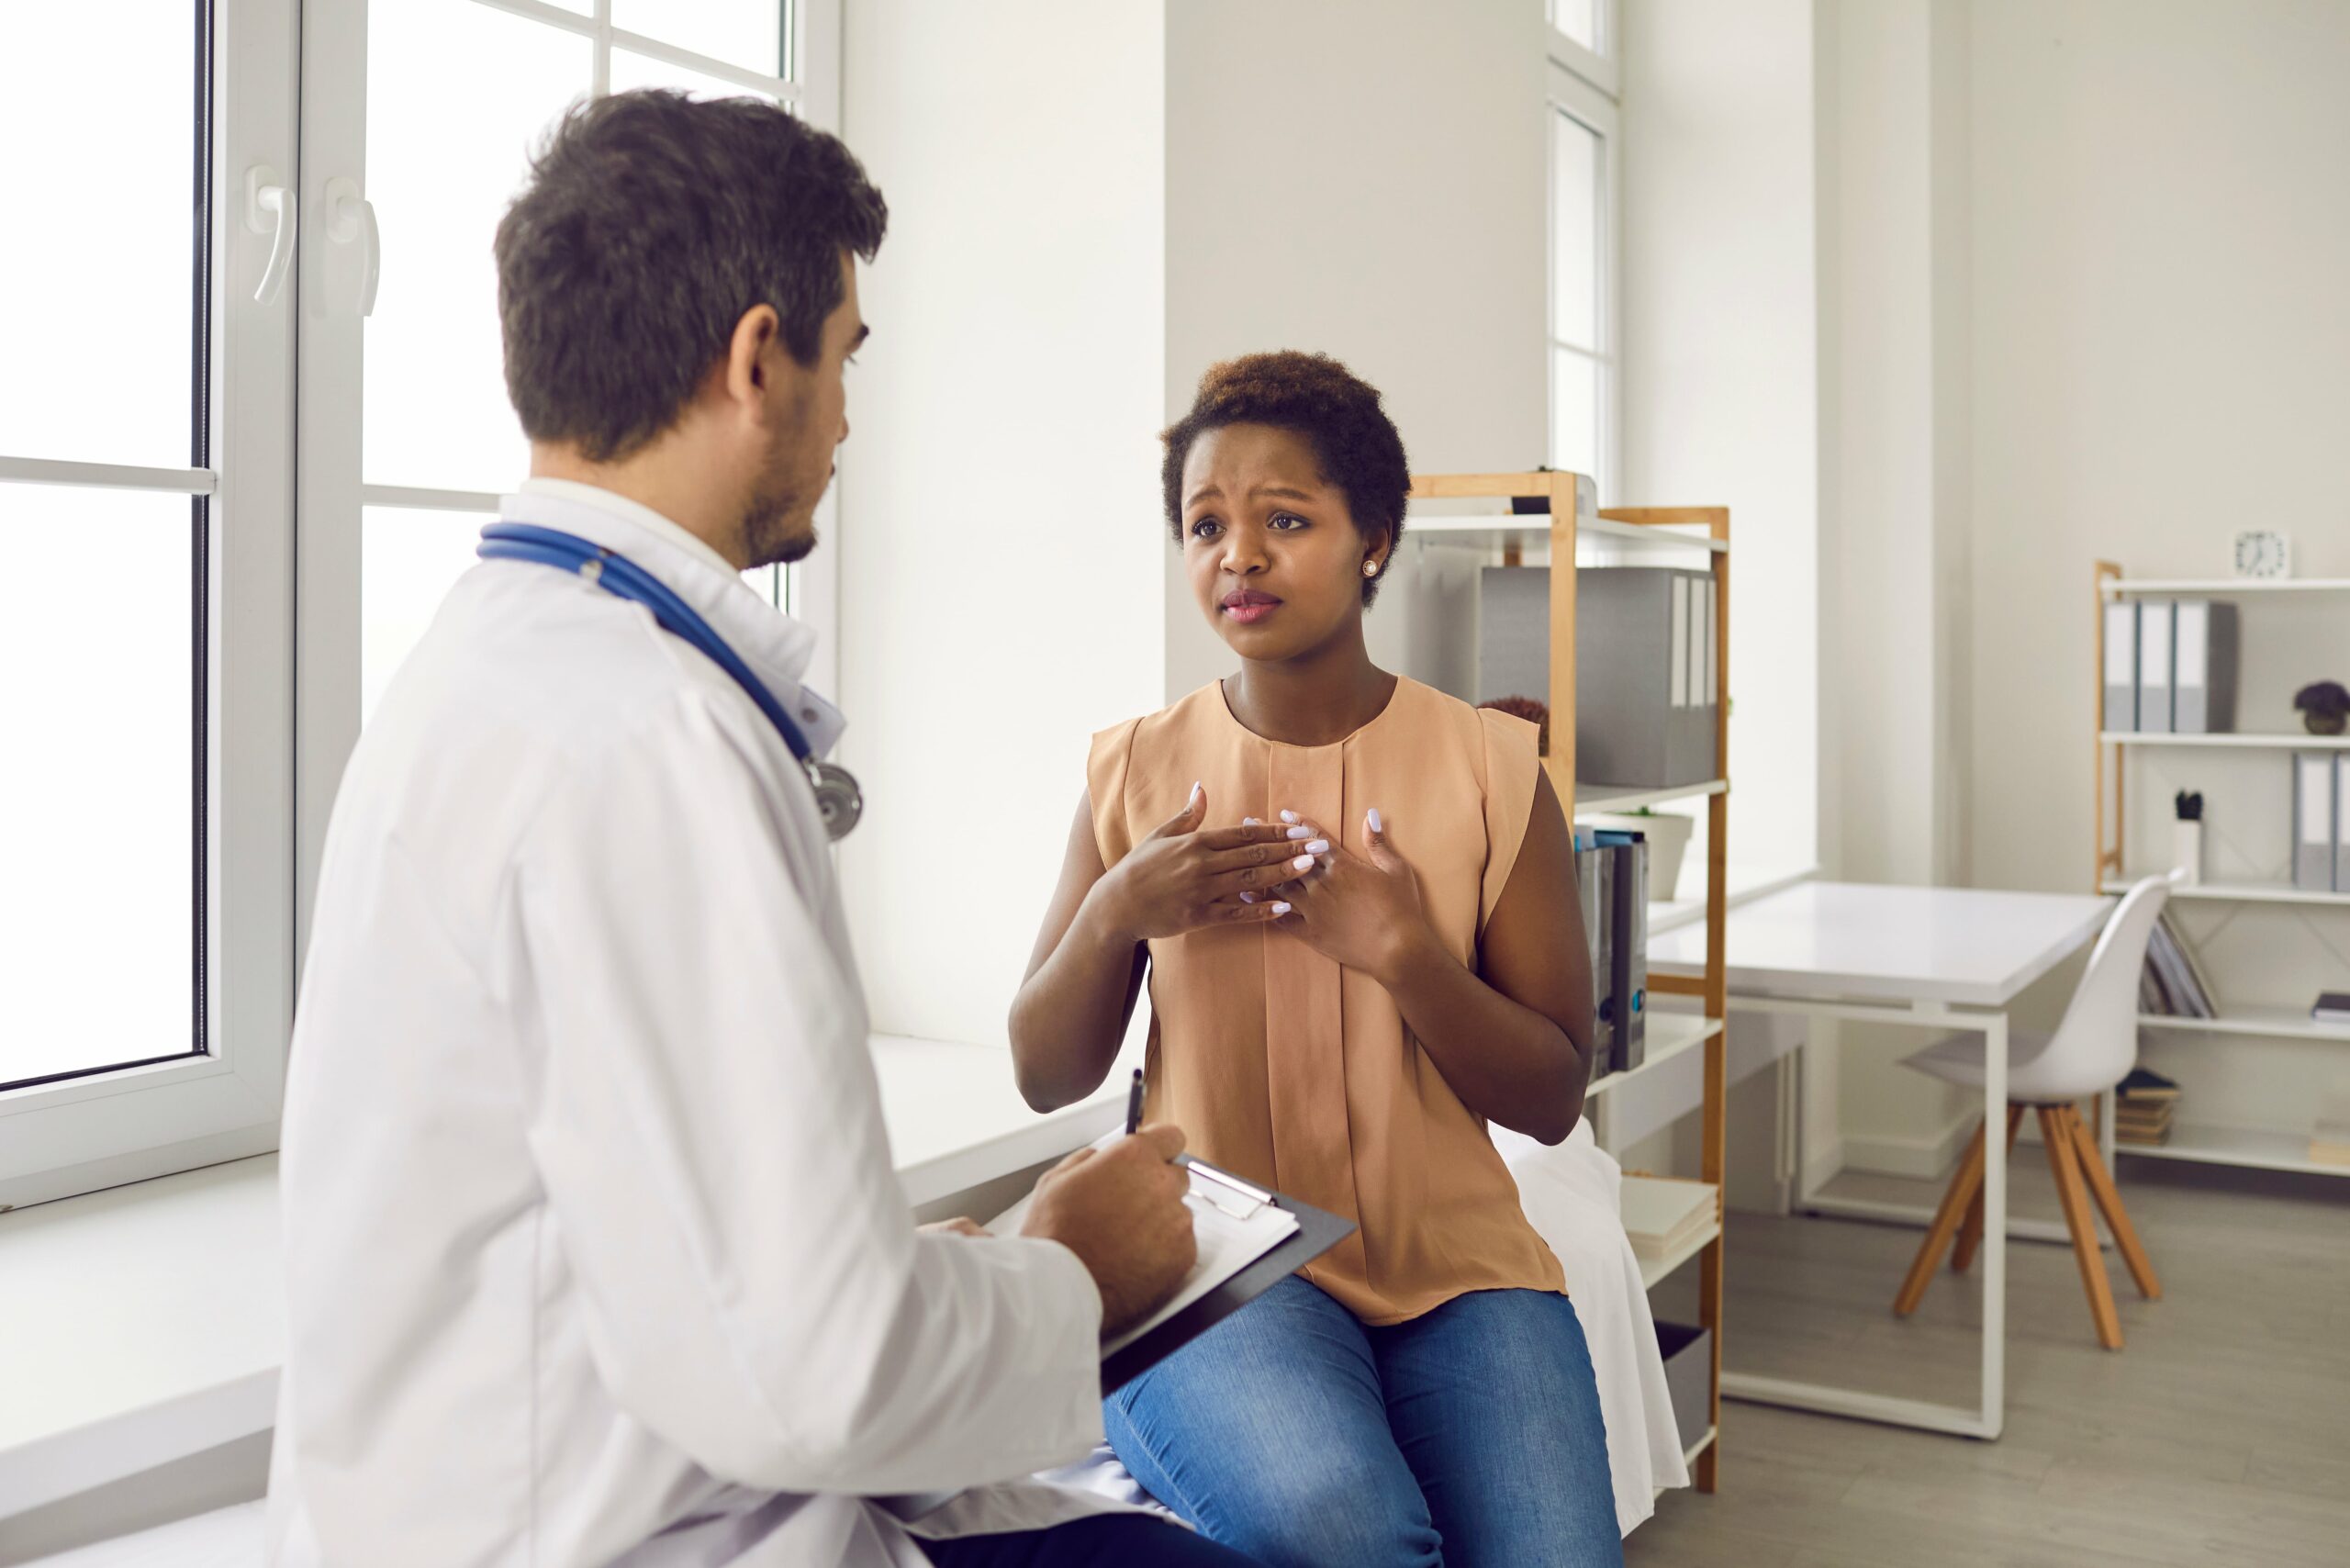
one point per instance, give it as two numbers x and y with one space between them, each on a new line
2325 706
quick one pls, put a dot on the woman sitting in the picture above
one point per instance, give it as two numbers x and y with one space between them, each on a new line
1355 900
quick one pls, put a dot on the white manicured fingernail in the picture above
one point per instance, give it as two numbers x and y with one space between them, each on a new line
1300 832
1248 822
1319 847
1289 817
1302 863
1248 898
1280 908
1376 825
1194 797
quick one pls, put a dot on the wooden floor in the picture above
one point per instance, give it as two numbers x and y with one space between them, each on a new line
2220 1437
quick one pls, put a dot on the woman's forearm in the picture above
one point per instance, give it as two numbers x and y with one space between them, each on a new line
1508 1063
1071 1012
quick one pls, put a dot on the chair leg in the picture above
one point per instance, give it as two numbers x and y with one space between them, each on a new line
2063 1160
2117 1219
1970 1233
1939 1233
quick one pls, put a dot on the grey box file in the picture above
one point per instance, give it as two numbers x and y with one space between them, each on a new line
2154 666
1688 1376
1627 981
2120 666
2342 822
1596 883
1634 724
2316 825
2204 640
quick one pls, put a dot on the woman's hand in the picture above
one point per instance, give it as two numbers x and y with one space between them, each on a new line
1180 878
1361 909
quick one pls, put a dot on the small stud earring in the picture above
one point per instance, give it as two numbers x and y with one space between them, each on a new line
1370 568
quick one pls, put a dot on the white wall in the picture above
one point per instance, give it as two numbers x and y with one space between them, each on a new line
1365 178
1720 333
998 554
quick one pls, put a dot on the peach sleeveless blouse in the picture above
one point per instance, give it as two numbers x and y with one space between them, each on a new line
1285 1068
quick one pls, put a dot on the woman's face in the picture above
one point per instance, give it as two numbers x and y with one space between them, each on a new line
1273 555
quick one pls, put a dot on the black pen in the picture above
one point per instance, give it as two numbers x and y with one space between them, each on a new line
1134 1106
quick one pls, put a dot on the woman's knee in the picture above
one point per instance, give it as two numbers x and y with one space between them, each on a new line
1320 1511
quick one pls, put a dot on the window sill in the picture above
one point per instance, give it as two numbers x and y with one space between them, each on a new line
147 1322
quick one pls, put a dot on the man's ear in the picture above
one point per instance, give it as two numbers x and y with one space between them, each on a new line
747 367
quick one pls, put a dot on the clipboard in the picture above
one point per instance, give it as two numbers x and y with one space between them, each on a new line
1317 1232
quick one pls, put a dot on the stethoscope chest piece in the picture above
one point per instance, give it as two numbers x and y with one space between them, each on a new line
838 799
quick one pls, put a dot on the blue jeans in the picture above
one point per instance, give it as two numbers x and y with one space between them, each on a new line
1104 1540
1304 1438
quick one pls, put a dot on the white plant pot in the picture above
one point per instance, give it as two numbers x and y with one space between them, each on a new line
1668 837
2187 851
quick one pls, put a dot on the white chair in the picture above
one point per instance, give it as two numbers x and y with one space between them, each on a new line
2093 1049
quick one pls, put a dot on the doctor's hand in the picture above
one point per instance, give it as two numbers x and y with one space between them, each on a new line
1121 1210
1181 879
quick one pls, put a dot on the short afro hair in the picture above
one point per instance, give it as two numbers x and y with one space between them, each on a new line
1336 412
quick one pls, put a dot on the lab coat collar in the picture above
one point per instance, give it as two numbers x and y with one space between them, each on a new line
776 647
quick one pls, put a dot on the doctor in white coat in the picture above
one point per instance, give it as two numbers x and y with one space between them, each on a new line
595 1251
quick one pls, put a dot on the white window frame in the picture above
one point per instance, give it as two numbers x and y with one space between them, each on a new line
282 614
82 1134
334 131
1575 89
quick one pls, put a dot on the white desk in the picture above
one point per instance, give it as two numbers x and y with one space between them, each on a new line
1939 959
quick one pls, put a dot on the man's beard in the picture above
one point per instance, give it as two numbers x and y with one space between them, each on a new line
767 538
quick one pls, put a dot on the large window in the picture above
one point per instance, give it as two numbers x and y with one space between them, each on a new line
1585 399
182 673
146 305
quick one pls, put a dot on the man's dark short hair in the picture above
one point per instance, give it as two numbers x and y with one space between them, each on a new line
1354 443
652 221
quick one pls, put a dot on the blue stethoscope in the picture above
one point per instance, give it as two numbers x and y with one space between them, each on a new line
838 799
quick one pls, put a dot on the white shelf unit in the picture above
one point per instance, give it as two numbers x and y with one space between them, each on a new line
2272 1022
2118 588
1659 532
2240 892
1591 800
2255 1149
2273 1148
1670 1034
2264 742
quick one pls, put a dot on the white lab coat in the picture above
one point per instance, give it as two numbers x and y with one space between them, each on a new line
595 1251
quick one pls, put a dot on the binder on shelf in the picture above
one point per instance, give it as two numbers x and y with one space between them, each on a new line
1709 621
1596 883
1677 650
1625 1011
2315 829
2340 822
2154 666
2121 666
2203 665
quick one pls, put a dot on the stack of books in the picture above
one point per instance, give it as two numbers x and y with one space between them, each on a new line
2173 984
2330 1144
2144 1107
1663 1217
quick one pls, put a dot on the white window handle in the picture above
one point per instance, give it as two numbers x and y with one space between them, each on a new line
269 209
350 216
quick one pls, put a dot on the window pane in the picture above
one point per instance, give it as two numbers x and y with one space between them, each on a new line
1579 19
98 931
633 71
1575 151
748 33
456 95
1574 412
98 181
407 561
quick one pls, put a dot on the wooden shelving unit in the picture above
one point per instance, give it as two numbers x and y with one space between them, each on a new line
2260 1149
1705 530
